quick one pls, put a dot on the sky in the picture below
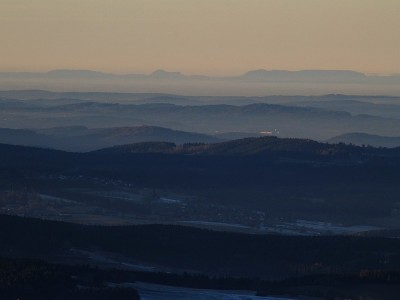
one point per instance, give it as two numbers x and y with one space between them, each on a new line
214 37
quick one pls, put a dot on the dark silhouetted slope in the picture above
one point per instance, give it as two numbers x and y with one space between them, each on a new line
366 140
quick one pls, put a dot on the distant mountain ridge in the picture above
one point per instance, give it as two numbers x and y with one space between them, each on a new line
261 74
252 83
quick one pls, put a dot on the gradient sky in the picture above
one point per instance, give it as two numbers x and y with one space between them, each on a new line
216 37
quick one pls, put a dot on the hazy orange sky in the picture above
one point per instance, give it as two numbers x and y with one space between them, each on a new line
216 37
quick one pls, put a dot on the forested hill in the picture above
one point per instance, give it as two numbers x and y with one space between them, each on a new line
256 146
272 149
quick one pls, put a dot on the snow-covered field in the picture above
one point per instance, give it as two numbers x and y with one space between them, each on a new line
149 291
299 227
215 224
309 228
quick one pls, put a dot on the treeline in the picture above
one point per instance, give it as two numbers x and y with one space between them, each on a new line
270 145
36 280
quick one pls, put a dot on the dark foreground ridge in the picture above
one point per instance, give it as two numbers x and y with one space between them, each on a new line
170 247
323 267
283 178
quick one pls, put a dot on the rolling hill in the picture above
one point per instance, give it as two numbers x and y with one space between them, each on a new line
81 138
297 179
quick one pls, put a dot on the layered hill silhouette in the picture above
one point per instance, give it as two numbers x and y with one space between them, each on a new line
81 138
255 119
377 106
